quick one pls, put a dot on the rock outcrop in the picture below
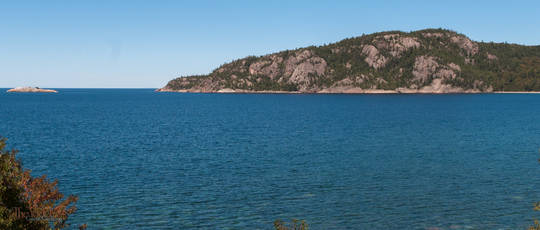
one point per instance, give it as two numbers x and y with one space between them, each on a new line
31 90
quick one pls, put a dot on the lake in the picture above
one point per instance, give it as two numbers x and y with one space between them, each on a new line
150 160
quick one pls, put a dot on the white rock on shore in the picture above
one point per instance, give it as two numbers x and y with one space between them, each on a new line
431 89
31 90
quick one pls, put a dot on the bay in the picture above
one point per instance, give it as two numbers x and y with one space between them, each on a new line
150 160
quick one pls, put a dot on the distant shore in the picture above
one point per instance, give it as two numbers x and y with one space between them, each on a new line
518 92
347 91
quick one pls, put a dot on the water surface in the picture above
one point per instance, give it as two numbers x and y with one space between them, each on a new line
153 160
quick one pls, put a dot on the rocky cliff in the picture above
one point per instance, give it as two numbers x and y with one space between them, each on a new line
426 61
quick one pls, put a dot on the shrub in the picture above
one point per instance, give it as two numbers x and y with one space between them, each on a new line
28 202
294 225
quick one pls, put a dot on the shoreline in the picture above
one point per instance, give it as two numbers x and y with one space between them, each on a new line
352 91
518 92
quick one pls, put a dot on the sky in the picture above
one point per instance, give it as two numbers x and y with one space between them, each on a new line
144 44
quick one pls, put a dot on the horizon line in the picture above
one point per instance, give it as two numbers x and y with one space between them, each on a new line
1 87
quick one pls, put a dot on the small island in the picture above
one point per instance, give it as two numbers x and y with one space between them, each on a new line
31 90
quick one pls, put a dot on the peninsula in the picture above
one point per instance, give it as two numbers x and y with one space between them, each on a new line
424 61
31 90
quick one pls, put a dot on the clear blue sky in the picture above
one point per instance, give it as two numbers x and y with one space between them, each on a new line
143 44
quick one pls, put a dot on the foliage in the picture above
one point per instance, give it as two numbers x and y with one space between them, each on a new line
536 225
294 225
28 202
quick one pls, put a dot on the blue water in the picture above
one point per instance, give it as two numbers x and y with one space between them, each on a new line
149 160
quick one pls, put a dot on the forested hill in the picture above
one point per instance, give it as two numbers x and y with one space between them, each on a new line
425 61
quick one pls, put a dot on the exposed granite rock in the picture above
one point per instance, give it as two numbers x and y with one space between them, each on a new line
454 66
424 67
266 67
31 90
431 35
491 57
373 57
345 82
396 44
466 44
302 67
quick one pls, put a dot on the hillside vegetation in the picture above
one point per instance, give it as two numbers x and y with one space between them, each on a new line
425 61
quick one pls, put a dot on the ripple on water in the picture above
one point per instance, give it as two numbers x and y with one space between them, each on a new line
154 161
